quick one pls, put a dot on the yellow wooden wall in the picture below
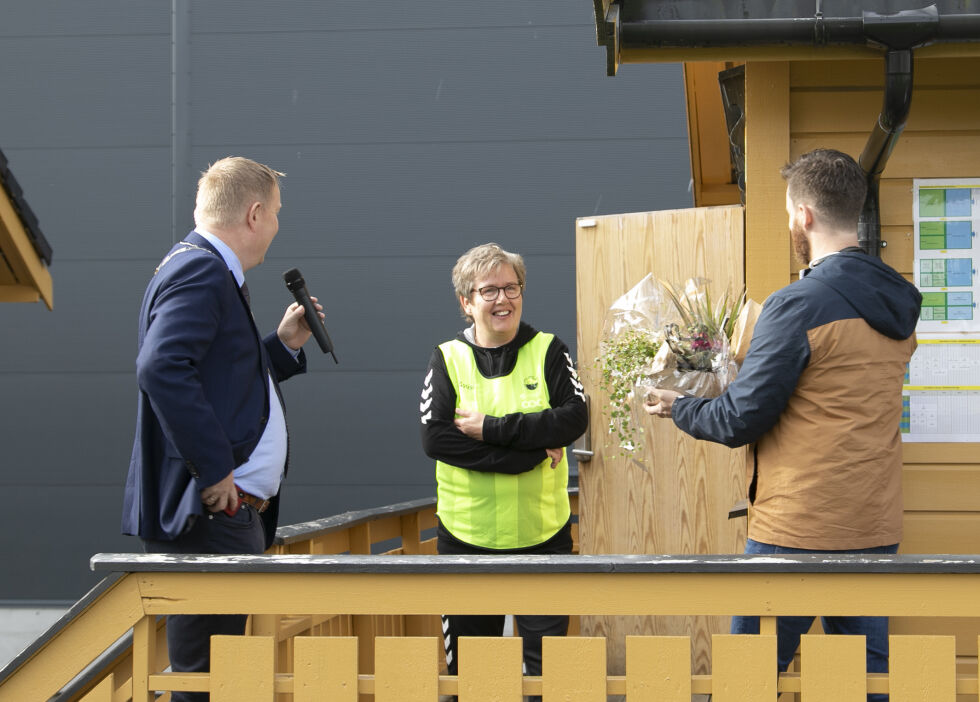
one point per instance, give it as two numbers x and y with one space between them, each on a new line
836 103
796 106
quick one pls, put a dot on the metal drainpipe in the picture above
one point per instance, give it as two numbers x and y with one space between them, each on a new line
889 126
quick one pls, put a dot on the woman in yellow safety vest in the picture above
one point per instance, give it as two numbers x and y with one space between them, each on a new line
499 404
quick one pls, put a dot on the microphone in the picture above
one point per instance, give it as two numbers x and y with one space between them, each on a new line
297 286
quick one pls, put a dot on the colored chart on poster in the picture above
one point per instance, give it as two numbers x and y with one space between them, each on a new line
946 235
945 272
938 306
946 217
941 394
940 201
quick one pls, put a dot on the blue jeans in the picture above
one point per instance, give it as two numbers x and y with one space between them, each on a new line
789 629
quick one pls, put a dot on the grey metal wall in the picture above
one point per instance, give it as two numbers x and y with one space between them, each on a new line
409 131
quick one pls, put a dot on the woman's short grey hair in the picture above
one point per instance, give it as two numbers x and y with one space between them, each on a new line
229 187
481 261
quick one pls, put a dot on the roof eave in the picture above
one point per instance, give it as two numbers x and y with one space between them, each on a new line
783 39
24 277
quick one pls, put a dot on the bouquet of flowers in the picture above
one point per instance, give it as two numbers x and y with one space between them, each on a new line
657 336
696 358
631 339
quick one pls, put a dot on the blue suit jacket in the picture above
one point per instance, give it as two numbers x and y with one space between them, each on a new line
204 396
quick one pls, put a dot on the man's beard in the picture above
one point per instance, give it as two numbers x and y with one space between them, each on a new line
801 247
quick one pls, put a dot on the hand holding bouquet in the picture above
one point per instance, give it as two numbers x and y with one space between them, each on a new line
657 337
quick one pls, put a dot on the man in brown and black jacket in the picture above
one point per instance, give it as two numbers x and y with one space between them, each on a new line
820 393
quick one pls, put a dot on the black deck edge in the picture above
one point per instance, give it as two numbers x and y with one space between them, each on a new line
76 610
524 564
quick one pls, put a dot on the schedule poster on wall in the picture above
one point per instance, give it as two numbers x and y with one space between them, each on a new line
941 395
947 217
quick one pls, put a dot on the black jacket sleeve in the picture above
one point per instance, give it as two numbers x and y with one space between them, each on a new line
551 428
442 441
752 404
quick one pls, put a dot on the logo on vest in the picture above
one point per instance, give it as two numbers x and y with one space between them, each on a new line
466 386
531 383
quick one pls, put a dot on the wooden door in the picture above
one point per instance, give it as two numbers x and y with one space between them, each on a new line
673 495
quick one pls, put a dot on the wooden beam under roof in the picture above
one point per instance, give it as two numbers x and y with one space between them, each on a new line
24 277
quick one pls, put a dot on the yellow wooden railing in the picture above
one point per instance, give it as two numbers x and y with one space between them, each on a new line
145 587
404 528
401 528
351 626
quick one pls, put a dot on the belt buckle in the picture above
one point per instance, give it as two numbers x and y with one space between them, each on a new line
258 504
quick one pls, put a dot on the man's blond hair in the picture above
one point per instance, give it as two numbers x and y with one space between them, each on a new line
229 187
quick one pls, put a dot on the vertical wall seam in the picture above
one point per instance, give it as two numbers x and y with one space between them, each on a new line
180 46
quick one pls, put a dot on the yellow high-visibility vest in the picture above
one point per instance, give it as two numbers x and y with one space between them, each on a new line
498 510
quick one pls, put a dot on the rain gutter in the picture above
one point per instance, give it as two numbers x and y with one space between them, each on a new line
909 27
897 33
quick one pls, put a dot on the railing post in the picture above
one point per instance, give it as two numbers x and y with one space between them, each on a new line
406 669
269 625
360 539
410 533
743 668
574 668
364 630
833 668
490 668
658 668
921 668
767 626
325 669
144 657
241 668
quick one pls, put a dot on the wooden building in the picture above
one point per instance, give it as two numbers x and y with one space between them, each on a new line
891 83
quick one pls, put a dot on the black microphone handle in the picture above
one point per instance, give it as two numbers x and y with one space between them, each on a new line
314 322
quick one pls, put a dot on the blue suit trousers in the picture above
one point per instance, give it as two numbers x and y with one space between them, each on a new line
189 636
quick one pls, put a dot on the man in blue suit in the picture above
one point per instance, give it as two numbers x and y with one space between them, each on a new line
211 446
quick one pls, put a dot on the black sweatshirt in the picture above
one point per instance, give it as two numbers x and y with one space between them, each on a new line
516 442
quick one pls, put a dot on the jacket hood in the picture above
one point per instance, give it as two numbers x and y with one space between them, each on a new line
525 332
884 299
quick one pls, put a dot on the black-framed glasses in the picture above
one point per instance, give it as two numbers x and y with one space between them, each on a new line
492 292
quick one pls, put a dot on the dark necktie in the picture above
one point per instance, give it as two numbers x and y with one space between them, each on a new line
248 298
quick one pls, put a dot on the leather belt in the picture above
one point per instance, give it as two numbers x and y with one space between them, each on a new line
257 503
